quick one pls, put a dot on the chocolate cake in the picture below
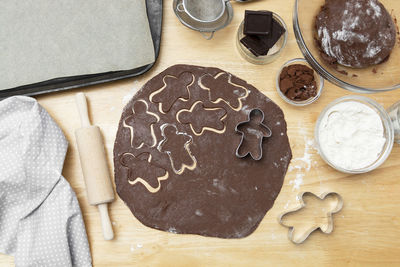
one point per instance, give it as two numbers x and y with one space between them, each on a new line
355 33
175 153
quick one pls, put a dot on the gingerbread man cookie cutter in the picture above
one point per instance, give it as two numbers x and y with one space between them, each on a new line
329 216
260 141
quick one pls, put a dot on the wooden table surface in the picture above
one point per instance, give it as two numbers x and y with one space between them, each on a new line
367 230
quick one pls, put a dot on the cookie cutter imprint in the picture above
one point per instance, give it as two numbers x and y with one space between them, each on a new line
186 147
141 180
255 110
131 129
204 128
219 99
329 215
165 85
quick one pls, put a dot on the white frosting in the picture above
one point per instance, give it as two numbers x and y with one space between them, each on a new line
351 135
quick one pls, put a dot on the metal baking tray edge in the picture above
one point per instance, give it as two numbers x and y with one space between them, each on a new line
154 14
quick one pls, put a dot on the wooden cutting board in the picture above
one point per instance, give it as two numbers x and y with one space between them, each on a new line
367 230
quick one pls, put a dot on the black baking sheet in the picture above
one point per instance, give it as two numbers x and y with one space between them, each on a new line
154 14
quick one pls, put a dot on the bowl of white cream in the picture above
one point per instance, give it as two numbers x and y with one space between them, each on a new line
354 134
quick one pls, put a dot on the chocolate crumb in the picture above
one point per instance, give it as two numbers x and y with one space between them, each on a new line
354 75
297 82
374 70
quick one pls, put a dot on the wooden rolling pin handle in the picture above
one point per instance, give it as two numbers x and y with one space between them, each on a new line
105 222
83 110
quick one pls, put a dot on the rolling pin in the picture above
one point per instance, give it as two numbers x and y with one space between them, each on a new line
95 170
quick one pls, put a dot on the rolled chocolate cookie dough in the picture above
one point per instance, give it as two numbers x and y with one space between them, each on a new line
355 33
174 153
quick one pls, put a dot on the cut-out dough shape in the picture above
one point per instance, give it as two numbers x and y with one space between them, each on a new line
177 146
253 132
140 125
221 88
174 88
141 170
315 212
201 118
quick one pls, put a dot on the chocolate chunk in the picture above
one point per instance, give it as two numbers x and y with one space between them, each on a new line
257 22
191 182
255 28
277 31
255 45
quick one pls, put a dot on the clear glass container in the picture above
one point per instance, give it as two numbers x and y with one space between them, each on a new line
386 123
394 114
318 79
378 78
273 53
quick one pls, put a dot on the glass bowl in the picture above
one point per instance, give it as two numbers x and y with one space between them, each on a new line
319 80
386 123
273 53
394 114
378 78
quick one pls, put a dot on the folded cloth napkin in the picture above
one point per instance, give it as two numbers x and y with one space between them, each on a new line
40 220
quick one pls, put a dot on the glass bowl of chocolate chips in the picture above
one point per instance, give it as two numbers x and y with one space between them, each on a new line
298 84
355 44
